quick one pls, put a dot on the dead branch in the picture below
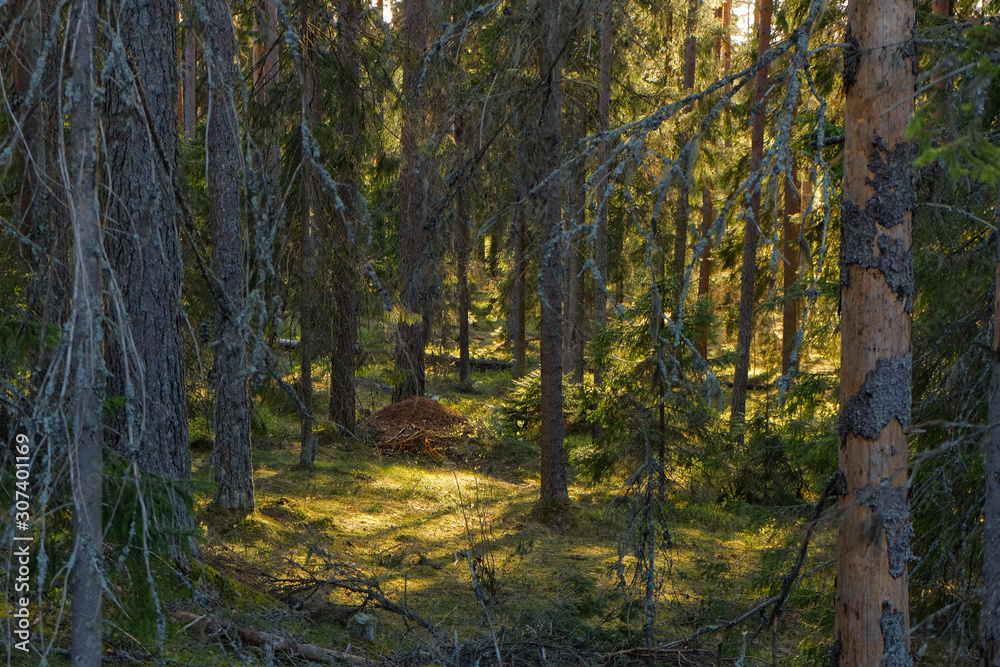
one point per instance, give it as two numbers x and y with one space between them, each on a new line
202 625
349 578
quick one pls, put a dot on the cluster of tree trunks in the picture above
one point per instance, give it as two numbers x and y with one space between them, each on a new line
142 336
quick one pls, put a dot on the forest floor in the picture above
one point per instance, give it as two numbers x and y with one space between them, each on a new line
450 536
425 530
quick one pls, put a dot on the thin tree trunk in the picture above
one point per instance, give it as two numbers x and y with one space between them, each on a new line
464 242
144 248
520 261
727 59
600 195
190 83
345 284
876 273
86 448
989 615
496 248
311 243
518 296
668 41
790 232
265 48
43 211
553 464
684 187
574 336
744 337
233 468
413 242
705 274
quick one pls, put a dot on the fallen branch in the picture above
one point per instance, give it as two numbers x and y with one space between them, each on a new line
203 625
351 579
752 385
373 384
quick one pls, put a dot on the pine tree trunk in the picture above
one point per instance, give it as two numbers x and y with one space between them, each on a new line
462 251
989 615
684 187
876 273
790 234
233 468
190 83
311 226
265 48
748 277
345 282
574 335
43 210
144 251
413 242
705 274
727 61
600 194
86 447
553 464
520 262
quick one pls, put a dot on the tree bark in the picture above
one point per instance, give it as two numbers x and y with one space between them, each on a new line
43 210
520 261
876 273
684 186
705 273
231 421
345 284
462 250
748 278
144 247
413 241
790 234
600 195
989 615
190 82
265 48
311 228
553 464
574 336
727 59
86 447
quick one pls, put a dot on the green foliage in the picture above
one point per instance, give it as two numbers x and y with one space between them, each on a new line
18 337
521 409
627 404
764 472
141 532
961 141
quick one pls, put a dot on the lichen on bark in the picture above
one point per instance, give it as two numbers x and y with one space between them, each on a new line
889 504
895 196
852 59
894 631
885 395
